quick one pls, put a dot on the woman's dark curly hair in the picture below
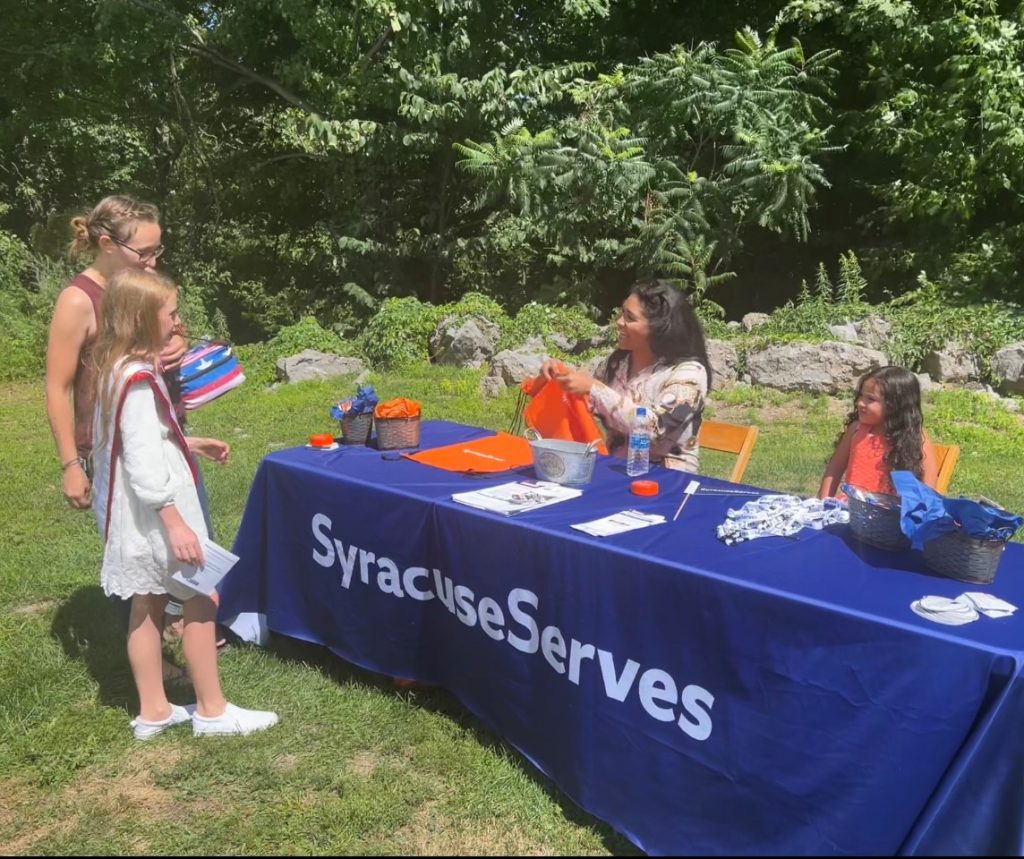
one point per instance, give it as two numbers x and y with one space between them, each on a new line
903 421
675 331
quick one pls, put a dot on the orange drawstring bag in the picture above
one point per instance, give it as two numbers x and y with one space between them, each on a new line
556 414
400 407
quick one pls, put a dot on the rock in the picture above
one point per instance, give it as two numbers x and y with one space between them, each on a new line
753 320
514 365
1008 368
362 378
596 366
560 341
733 325
724 363
926 383
466 341
873 332
492 386
844 331
605 337
1011 405
821 368
310 364
953 363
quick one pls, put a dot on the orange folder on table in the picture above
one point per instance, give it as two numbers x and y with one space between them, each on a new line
488 455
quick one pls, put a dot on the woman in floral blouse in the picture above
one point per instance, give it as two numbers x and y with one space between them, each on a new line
661 363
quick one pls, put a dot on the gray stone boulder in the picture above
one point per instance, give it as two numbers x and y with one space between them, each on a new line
952 363
514 365
596 366
821 368
873 332
927 383
492 386
466 341
1008 368
753 320
844 332
733 325
560 341
310 364
724 363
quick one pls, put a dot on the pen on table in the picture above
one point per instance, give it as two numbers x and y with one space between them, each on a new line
691 487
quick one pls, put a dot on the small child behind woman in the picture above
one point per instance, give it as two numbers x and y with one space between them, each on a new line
884 433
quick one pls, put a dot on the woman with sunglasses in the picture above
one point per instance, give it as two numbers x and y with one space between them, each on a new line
119 233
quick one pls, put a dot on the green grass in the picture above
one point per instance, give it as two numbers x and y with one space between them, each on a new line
354 766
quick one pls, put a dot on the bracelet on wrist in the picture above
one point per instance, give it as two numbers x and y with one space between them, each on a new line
77 460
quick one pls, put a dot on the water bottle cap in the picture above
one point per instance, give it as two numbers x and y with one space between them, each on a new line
641 412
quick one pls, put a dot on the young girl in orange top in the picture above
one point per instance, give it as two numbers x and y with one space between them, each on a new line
883 434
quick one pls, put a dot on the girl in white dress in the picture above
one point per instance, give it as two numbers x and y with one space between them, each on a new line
148 509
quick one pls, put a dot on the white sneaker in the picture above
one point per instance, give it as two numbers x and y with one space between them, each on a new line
144 730
234 721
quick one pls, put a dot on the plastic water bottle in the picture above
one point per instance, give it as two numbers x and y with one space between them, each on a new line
638 456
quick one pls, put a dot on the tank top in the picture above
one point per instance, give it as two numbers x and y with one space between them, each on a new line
866 468
83 390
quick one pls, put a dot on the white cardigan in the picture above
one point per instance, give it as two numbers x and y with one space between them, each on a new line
151 472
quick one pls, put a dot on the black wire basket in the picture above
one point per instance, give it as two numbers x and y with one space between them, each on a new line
395 433
356 429
875 519
960 556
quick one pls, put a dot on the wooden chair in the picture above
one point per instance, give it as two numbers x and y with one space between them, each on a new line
730 438
946 456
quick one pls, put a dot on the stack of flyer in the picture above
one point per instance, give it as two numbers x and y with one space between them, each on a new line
520 497
620 523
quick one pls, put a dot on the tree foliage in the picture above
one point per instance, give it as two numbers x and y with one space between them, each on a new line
315 156
937 112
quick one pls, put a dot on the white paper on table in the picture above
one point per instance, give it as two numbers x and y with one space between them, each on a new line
205 579
987 604
944 610
620 523
509 498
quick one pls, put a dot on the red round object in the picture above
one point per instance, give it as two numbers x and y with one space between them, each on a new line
644 487
321 439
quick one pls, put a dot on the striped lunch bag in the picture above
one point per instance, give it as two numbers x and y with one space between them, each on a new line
208 370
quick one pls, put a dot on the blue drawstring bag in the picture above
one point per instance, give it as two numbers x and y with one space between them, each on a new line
363 403
209 370
926 515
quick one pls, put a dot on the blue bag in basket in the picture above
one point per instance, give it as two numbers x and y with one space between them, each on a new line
208 370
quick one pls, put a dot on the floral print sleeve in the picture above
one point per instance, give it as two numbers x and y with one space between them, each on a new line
673 395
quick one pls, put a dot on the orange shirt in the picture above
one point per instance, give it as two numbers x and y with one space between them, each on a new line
866 468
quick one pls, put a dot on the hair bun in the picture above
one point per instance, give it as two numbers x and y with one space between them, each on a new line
80 228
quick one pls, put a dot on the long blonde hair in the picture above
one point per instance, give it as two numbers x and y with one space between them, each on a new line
116 216
129 330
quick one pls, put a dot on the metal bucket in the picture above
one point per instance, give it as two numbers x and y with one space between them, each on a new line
567 462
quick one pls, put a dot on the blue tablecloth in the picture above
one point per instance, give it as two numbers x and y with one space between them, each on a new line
778 696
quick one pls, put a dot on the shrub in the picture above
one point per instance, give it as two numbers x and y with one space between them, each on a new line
924 321
544 320
476 304
28 289
828 304
399 334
